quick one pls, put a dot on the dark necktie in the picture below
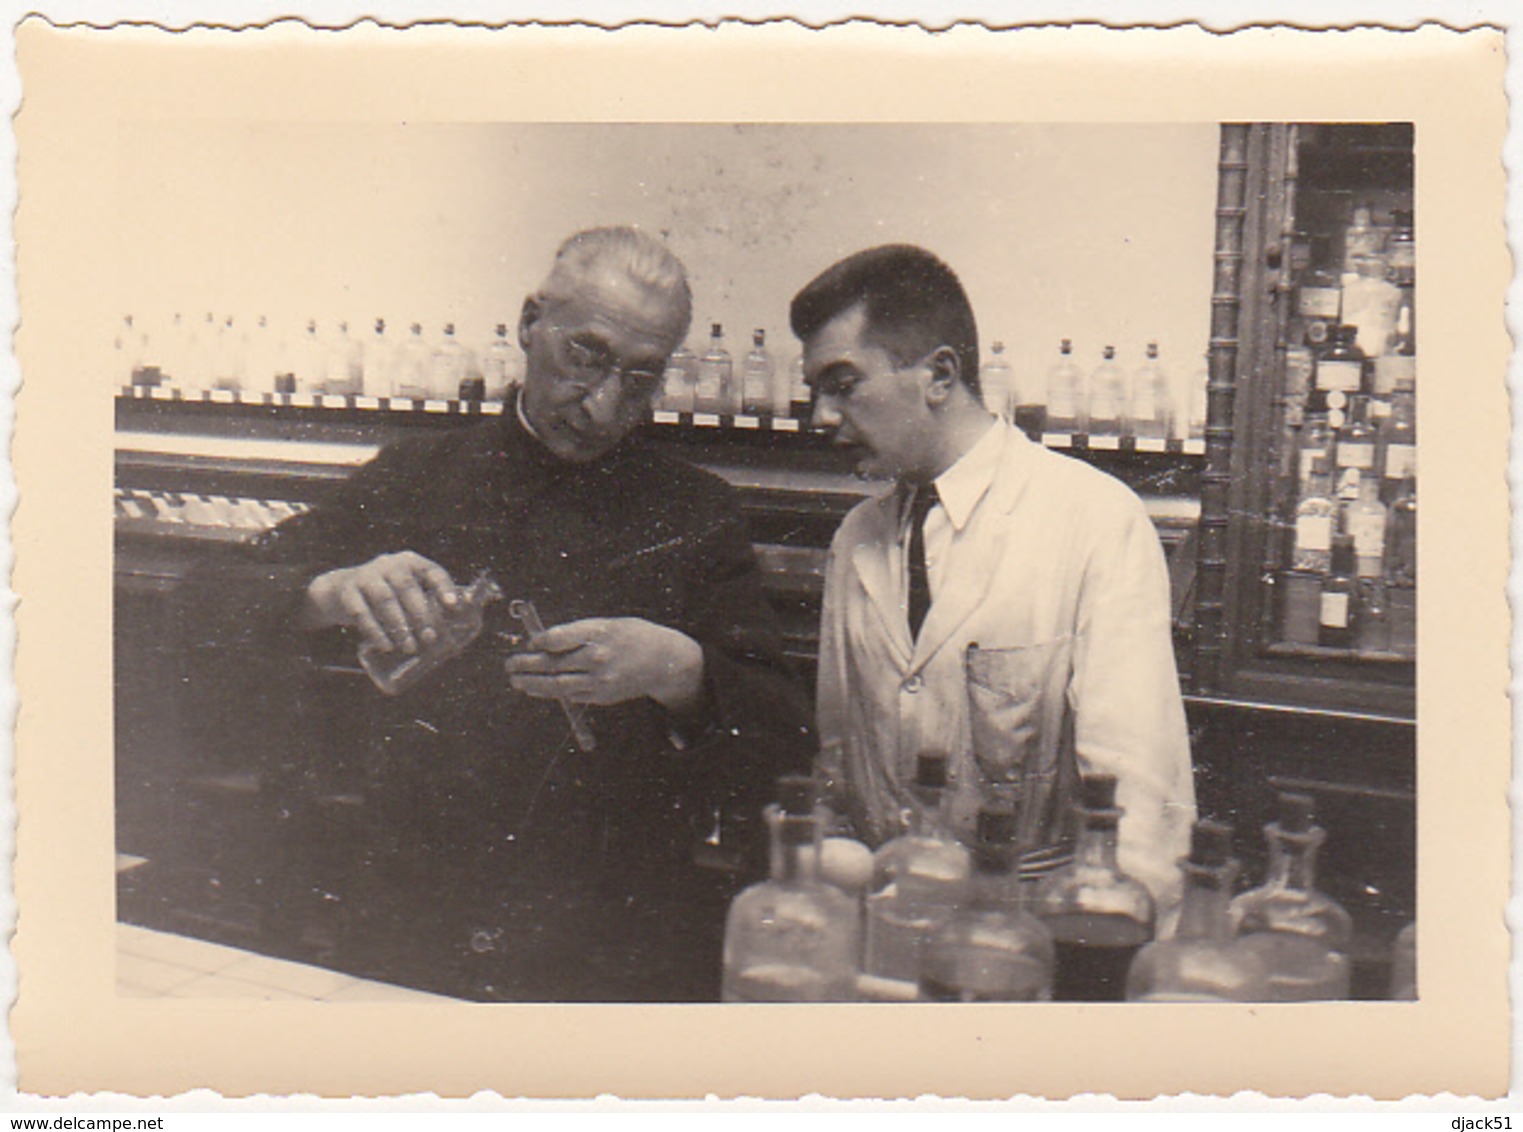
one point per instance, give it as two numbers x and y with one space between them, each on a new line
920 581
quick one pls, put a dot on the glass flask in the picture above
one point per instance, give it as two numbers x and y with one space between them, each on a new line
395 671
991 949
1301 934
1204 961
1098 915
792 938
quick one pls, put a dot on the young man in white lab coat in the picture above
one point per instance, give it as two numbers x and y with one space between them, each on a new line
1043 650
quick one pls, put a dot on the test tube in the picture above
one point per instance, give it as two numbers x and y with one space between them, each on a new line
524 610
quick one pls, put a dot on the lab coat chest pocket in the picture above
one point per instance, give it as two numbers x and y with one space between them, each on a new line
1016 705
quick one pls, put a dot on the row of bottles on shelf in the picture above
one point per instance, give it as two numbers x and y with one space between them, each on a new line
226 354
1369 286
926 918
1108 402
707 382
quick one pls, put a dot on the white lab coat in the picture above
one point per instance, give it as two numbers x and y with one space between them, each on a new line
1046 652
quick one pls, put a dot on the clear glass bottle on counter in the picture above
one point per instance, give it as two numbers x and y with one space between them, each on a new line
678 385
756 377
714 389
991 949
448 366
1401 249
1152 399
1098 915
1067 401
413 363
996 382
919 878
395 671
1109 399
380 362
1398 444
1301 935
1203 961
792 938
501 366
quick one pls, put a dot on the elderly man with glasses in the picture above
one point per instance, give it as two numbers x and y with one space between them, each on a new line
520 865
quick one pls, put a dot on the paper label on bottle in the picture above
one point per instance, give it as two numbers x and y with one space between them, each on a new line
1356 455
1319 302
1401 461
1314 532
1343 376
1369 530
1393 372
1335 610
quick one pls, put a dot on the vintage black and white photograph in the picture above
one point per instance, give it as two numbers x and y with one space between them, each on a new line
779 563
908 564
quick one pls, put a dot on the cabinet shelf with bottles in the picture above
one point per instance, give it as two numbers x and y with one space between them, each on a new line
1314 507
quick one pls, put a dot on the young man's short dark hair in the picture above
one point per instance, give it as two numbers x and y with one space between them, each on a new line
913 301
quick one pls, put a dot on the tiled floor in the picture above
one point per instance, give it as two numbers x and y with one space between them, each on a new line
152 964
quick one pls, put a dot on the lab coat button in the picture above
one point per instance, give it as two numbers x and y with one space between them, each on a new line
913 684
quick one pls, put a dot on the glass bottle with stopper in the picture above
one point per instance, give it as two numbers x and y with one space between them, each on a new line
1204 961
919 879
1098 915
1301 934
992 949
792 938
395 671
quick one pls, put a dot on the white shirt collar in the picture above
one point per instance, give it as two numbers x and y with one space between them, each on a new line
965 483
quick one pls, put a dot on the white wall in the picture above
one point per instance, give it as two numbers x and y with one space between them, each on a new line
1100 233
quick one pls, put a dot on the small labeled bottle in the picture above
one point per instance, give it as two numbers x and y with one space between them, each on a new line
1098 915
1340 365
714 390
1365 520
1152 399
1204 961
1316 516
1301 934
395 671
992 949
1397 444
756 377
1109 399
1067 402
1337 612
996 382
919 879
1401 249
1355 452
792 938
345 364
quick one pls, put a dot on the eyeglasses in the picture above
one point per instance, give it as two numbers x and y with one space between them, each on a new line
586 367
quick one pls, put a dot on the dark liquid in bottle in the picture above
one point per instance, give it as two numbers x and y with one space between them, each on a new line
1092 955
